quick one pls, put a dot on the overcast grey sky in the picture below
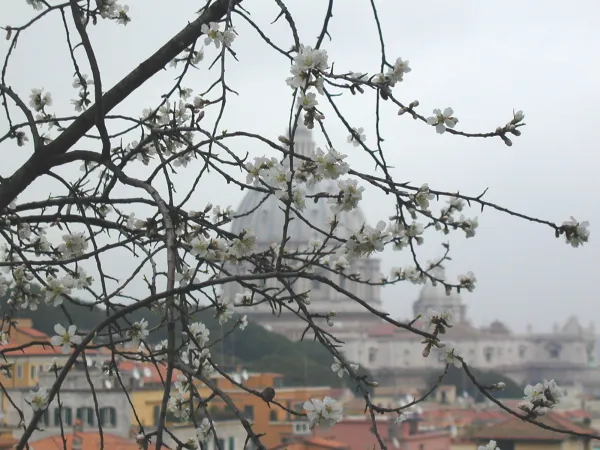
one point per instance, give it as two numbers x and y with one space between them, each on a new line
483 59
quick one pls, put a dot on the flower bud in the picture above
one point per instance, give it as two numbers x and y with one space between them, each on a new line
284 140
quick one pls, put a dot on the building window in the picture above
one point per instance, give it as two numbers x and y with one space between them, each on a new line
19 371
156 415
231 443
249 412
108 416
32 372
315 284
86 415
41 368
522 351
46 418
342 282
221 445
553 350
488 353
372 354
56 417
273 416
68 416
301 428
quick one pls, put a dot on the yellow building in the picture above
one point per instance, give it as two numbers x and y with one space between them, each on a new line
274 422
30 352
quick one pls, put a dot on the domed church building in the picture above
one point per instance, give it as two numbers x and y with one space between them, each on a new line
263 215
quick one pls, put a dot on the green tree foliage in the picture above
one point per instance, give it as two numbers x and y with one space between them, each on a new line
255 349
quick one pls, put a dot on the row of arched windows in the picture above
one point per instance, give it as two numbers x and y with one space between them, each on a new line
87 416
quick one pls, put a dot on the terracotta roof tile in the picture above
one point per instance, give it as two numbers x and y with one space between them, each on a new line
324 442
90 441
514 428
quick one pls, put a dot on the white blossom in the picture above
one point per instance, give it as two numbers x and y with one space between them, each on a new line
177 405
65 337
160 350
308 100
489 446
36 4
78 279
243 298
324 413
338 368
40 99
423 196
133 223
442 120
451 356
199 332
437 319
55 291
576 233
367 240
396 73
186 276
467 281
73 246
203 432
138 331
224 310
357 137
542 397
38 400
348 197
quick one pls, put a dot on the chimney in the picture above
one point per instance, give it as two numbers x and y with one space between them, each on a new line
24 323
77 442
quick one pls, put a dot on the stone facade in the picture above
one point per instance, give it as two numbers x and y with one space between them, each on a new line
77 402
567 354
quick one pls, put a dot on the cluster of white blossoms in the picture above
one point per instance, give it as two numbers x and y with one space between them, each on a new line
541 398
217 37
437 320
576 233
220 249
203 432
82 83
110 9
20 278
323 413
306 72
367 240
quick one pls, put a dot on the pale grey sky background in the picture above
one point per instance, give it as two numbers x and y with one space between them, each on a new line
484 59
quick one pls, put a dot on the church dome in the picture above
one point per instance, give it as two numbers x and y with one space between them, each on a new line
435 297
263 215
